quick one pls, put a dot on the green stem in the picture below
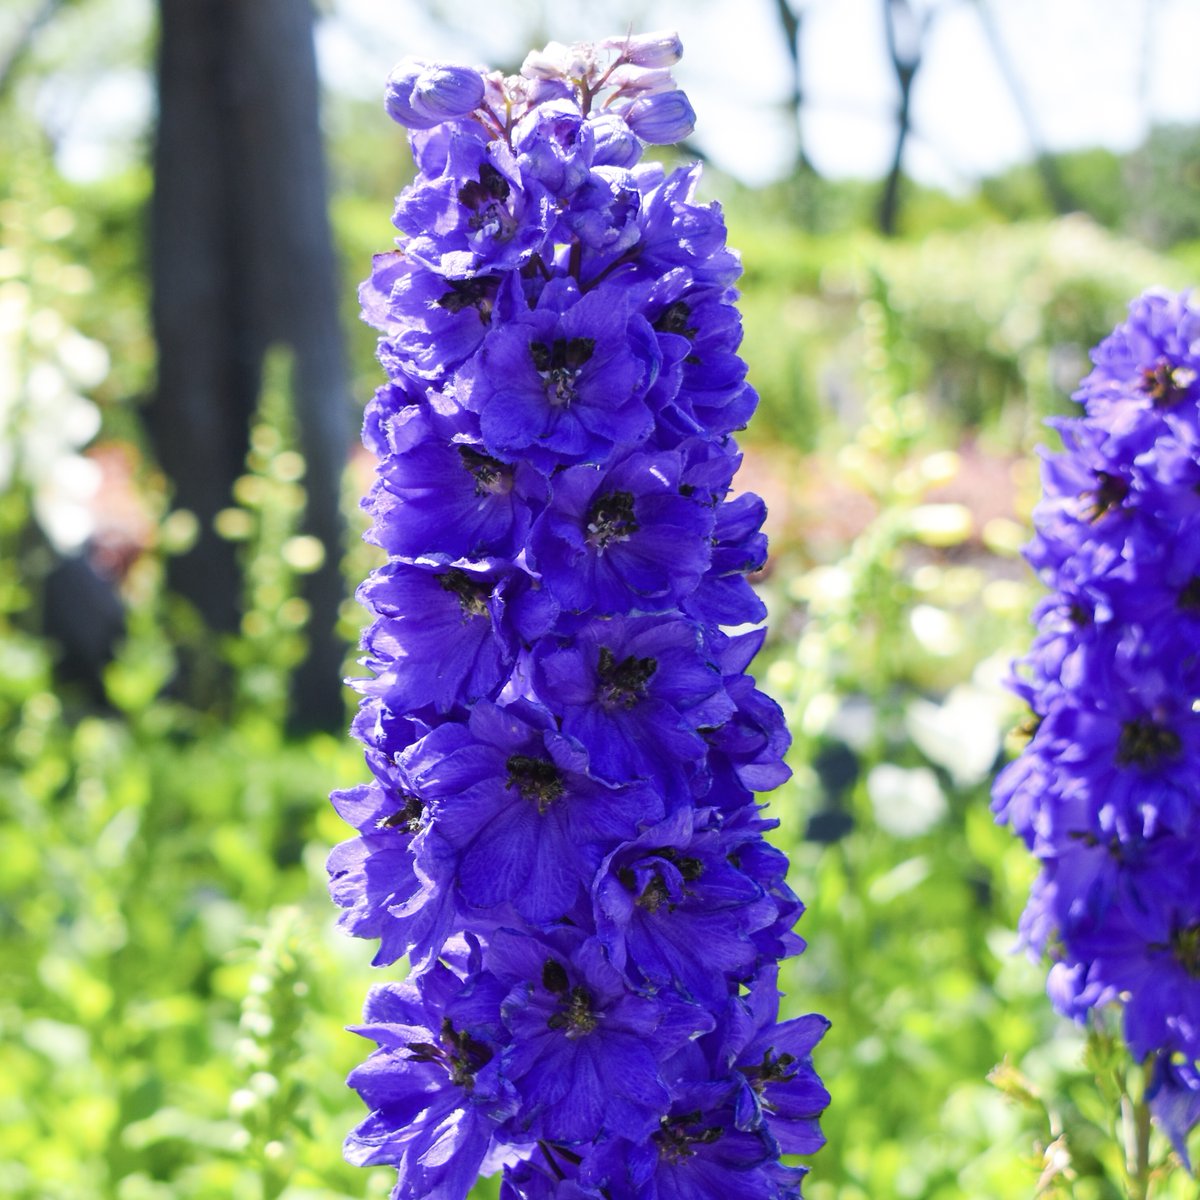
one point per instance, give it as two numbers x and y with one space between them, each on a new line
1136 1119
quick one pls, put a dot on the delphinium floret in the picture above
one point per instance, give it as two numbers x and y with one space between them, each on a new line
561 832
1107 792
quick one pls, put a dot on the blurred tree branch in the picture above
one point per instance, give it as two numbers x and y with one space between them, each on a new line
10 63
791 22
1056 189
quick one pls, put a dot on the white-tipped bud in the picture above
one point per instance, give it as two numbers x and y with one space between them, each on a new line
556 61
641 81
661 49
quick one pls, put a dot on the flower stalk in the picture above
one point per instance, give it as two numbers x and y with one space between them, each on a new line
561 832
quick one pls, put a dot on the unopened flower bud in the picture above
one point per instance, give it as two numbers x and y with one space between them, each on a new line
661 118
421 95
661 49
556 61
615 144
629 81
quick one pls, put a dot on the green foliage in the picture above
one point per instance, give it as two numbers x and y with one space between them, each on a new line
134 1023
265 520
996 319
1163 179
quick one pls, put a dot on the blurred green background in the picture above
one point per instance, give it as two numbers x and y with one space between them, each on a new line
173 993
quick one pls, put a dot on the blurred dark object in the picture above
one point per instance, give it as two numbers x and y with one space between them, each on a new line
82 613
242 259
837 768
828 826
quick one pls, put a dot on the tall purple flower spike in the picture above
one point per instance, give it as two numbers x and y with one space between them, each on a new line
561 833
1107 793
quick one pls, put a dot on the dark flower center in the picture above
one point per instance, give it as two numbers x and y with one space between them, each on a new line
1166 384
536 779
1026 730
611 519
486 201
1114 847
554 976
475 293
574 1014
559 364
623 682
1145 743
655 895
1189 595
674 319
472 594
774 1068
1185 946
491 475
677 1135
1109 492
461 1055
690 868
408 817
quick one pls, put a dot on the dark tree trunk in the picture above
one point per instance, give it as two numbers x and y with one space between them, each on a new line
791 24
905 34
242 259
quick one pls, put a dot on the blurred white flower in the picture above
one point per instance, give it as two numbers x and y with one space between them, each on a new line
939 632
907 800
44 419
62 498
962 734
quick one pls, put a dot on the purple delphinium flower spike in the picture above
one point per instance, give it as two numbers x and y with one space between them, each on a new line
1107 792
561 834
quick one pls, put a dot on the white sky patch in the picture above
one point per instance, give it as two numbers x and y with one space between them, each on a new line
1094 73
100 121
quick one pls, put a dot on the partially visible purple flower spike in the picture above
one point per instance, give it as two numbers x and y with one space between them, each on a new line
1105 794
1174 1099
422 94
